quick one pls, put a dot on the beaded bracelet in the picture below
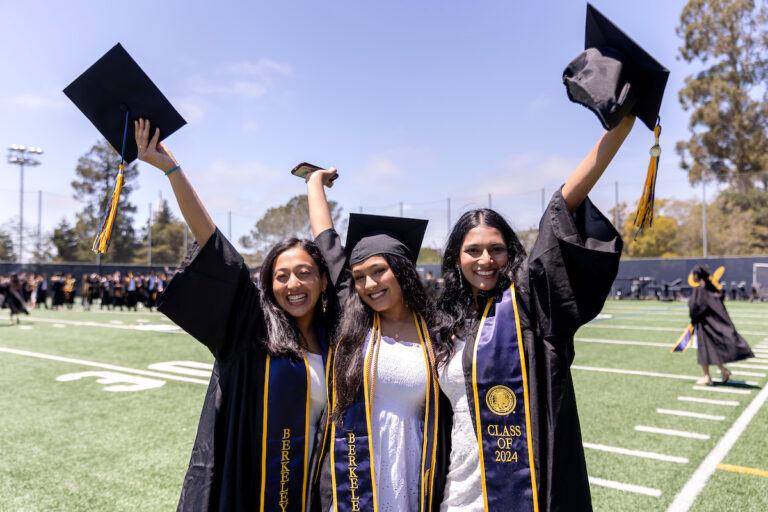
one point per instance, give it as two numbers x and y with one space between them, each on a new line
169 172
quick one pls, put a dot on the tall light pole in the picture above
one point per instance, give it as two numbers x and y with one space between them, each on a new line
18 155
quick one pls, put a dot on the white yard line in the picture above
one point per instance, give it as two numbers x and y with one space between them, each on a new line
101 365
636 453
748 374
689 414
757 360
142 327
687 495
752 366
604 325
638 489
625 342
670 432
719 389
732 403
634 372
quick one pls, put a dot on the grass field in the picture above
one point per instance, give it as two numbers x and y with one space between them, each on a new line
99 411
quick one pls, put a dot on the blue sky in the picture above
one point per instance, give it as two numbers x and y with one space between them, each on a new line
413 102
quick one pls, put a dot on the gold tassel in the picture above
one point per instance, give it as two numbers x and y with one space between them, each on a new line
644 215
101 242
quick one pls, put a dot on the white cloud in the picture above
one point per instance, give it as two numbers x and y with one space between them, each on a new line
524 173
52 100
260 68
191 108
539 104
244 79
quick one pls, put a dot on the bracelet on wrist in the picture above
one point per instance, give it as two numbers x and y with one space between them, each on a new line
169 172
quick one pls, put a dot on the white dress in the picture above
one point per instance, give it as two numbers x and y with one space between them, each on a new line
397 423
463 486
317 402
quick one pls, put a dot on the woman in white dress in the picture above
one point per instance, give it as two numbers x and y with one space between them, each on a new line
382 449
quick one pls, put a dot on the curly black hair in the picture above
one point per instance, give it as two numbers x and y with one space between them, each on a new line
456 304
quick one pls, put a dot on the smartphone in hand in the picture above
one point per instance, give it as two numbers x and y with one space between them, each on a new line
303 169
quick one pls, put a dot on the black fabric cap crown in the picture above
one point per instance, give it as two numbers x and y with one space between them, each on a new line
113 84
614 75
373 235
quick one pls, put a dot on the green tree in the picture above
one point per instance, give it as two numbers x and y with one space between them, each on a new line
657 242
6 247
96 174
728 97
430 255
167 238
279 222
66 241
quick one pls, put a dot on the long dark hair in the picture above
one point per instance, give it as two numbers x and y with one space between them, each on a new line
283 335
456 304
357 319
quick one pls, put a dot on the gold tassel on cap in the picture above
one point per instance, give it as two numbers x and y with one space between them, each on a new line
644 215
103 236
101 242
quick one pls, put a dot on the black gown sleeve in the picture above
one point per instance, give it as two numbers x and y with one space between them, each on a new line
572 266
329 243
213 298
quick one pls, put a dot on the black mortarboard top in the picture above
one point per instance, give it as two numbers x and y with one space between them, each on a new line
372 235
114 85
614 75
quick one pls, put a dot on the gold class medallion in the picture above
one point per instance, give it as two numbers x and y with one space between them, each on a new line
501 400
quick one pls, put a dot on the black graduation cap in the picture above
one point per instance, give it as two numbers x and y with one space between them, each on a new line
372 235
115 91
614 75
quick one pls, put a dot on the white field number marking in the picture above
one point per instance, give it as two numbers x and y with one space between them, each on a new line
114 381
194 368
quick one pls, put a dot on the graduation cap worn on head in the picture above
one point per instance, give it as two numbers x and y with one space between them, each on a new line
612 77
111 93
373 235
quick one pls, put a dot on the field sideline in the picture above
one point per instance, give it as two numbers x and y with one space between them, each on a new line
99 412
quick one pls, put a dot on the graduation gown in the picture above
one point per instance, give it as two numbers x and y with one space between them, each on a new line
717 339
12 299
342 285
562 285
214 300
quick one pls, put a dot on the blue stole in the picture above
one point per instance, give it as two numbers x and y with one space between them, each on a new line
500 407
285 442
352 473
684 341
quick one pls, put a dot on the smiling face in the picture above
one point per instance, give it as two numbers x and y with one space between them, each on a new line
377 284
297 282
483 255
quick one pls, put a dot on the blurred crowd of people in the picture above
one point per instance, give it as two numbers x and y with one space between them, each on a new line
18 292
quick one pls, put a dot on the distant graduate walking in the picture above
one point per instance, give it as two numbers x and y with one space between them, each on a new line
255 448
11 297
716 336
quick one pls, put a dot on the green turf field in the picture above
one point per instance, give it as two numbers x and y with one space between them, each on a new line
89 421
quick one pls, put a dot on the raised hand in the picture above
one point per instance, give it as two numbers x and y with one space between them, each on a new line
328 176
151 151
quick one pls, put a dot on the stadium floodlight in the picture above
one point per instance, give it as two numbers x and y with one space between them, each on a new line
17 155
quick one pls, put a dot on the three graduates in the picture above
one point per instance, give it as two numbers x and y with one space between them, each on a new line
309 411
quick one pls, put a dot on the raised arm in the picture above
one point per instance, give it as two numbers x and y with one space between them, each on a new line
319 213
156 154
592 167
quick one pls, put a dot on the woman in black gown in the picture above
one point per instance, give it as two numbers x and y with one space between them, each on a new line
11 297
508 322
716 337
256 446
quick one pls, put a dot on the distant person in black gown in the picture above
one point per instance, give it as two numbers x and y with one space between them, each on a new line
716 336
11 297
